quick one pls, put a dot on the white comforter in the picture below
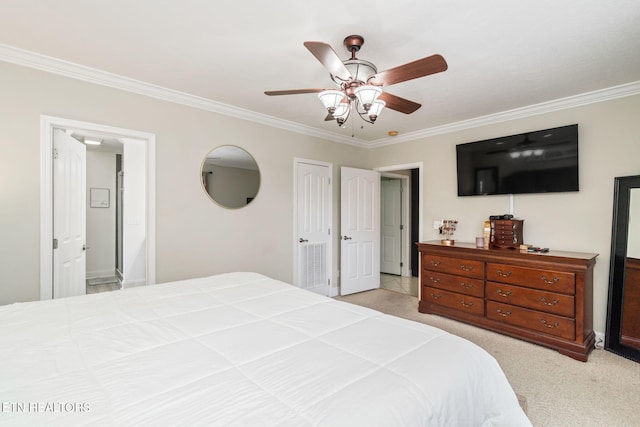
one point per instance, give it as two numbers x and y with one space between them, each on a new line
239 349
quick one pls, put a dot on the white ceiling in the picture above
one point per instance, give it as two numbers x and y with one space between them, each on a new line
503 55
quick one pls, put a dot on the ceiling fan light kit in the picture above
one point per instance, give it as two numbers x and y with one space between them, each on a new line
360 84
375 109
342 113
331 99
367 95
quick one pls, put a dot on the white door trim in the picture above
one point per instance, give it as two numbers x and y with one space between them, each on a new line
47 124
406 220
296 244
420 167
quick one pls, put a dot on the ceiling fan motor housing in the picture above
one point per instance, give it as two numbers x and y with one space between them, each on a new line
353 43
360 70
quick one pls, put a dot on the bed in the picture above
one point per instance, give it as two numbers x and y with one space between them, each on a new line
239 349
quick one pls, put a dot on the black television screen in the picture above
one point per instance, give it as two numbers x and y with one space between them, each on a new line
544 161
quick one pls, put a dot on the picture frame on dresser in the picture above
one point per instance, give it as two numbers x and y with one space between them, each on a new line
622 335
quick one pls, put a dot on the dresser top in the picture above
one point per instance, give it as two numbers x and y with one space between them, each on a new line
471 248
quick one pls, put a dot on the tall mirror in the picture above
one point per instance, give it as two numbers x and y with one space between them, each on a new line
230 176
623 312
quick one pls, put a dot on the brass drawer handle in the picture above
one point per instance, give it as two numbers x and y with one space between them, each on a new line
503 294
544 322
466 304
435 279
435 263
503 274
466 285
466 267
545 302
549 282
503 314
436 297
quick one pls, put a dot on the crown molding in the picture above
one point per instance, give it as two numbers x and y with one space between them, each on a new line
601 95
91 75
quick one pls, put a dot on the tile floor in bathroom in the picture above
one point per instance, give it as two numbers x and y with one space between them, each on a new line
95 286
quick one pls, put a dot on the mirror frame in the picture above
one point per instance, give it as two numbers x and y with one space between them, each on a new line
619 234
202 184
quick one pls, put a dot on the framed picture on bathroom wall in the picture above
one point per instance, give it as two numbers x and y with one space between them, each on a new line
99 198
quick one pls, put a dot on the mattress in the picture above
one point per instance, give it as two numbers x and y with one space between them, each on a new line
239 349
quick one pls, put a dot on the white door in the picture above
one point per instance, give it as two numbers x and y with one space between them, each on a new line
391 226
69 215
313 227
360 230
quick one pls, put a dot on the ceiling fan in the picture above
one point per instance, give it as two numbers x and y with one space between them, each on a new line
360 84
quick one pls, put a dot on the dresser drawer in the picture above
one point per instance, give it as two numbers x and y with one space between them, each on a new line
550 324
465 303
457 266
449 282
504 231
563 305
545 280
506 240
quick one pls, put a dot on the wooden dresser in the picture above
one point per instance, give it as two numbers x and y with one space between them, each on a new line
546 299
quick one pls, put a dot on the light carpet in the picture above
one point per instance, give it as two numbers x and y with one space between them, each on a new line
559 391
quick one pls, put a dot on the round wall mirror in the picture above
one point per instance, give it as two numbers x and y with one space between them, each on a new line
230 176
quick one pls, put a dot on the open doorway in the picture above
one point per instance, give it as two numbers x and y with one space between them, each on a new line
138 225
401 206
104 216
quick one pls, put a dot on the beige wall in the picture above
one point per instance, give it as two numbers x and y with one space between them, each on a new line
194 236
609 146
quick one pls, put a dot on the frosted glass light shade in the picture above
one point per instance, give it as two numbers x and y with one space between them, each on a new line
342 113
376 108
341 110
367 95
331 99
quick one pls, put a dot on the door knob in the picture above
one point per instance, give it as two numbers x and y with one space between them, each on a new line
346 238
85 247
302 240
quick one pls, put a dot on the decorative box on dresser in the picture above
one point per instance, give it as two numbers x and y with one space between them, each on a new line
543 298
506 234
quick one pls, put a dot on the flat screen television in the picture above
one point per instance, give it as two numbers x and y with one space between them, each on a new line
544 161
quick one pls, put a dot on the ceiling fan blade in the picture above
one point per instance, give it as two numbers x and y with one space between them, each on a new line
422 67
399 104
292 91
328 57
